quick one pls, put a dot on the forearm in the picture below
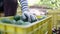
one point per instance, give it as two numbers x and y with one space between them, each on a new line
24 5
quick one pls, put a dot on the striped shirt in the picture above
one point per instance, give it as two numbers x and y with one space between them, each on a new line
24 5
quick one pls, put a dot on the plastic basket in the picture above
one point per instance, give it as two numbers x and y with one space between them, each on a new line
56 16
39 27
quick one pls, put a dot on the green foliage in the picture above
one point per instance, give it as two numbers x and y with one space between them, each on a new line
50 3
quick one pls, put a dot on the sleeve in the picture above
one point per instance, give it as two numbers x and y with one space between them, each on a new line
24 5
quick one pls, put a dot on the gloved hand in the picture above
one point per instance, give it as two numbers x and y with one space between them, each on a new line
28 16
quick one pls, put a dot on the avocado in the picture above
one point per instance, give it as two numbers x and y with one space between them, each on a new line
13 21
16 17
6 20
26 23
19 22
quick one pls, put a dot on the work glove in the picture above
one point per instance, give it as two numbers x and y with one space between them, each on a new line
26 15
30 17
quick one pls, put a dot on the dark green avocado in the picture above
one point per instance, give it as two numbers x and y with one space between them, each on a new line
17 17
13 21
6 20
19 22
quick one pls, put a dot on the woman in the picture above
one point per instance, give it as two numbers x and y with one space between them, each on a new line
10 7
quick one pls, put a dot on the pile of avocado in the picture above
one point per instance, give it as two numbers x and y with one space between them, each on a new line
17 19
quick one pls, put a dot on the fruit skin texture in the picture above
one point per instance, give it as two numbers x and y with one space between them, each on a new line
13 21
6 20
26 23
19 22
17 17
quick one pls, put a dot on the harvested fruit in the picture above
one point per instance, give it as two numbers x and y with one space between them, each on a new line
17 17
26 23
13 21
5 20
19 22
